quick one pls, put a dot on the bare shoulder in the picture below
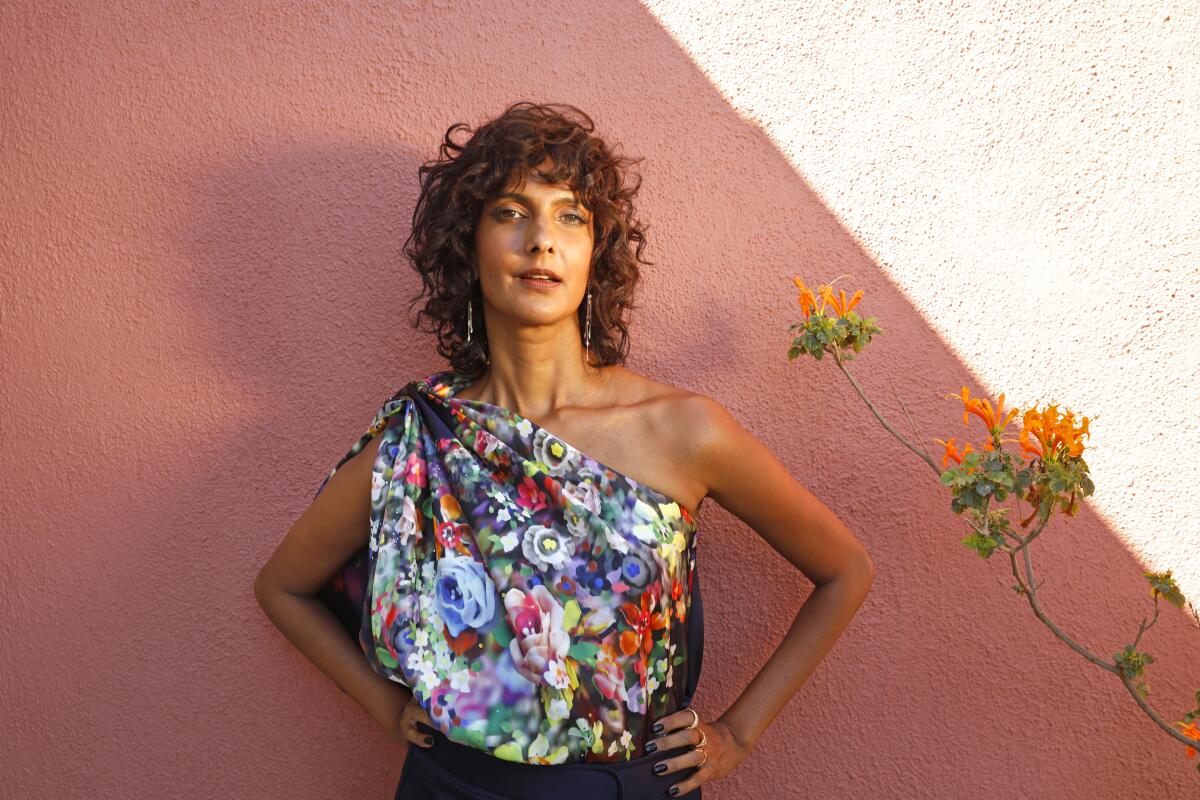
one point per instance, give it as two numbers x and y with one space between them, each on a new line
670 408
665 403
682 424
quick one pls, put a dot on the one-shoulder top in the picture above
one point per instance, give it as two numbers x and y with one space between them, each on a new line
540 605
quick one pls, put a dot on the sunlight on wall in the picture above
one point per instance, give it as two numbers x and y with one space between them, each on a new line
1027 178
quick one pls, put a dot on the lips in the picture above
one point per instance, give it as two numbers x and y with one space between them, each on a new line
539 274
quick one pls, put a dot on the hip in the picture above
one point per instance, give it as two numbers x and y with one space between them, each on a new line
448 770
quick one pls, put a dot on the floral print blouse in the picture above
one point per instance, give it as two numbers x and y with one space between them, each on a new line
541 606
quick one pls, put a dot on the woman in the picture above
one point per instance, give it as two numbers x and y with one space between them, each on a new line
522 580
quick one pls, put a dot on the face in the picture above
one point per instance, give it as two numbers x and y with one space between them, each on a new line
535 225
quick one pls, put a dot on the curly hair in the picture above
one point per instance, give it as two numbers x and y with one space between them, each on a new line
456 186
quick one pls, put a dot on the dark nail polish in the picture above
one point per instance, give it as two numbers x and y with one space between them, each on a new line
657 727
659 767
651 747
674 790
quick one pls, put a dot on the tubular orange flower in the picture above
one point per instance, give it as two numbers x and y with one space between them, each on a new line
995 420
952 452
807 300
1049 434
1030 446
839 303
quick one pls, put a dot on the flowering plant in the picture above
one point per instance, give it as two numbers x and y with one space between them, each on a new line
1047 471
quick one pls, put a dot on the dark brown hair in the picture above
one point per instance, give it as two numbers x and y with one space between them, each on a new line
456 186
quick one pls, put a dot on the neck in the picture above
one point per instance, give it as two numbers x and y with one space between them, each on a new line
537 371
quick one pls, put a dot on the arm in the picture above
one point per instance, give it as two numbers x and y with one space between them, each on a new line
748 480
329 532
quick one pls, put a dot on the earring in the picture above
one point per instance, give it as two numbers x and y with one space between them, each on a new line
587 332
487 357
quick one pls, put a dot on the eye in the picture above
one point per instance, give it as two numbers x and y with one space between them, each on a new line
576 216
502 210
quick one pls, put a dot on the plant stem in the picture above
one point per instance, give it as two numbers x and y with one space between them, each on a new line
838 360
1029 586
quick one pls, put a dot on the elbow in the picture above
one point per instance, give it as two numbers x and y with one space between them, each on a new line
262 588
861 572
867 572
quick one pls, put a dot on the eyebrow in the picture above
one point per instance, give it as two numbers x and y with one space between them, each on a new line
561 200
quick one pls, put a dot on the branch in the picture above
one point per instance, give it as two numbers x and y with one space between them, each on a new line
837 359
1040 614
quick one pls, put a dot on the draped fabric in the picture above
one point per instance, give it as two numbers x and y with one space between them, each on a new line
542 606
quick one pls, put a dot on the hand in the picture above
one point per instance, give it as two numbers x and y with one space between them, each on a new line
725 750
404 728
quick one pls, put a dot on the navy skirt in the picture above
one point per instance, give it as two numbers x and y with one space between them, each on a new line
448 770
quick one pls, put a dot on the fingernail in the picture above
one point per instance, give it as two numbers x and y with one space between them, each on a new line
657 727
659 767
651 747
674 790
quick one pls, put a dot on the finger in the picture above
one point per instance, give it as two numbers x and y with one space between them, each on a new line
421 734
683 787
685 763
680 737
419 740
676 720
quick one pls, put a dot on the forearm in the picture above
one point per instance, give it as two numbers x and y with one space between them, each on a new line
309 625
817 626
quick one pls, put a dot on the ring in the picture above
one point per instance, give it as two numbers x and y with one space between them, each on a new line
703 759
696 721
703 740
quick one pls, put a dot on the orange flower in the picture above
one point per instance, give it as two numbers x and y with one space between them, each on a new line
644 621
996 420
807 300
840 305
952 452
1192 732
838 302
1048 434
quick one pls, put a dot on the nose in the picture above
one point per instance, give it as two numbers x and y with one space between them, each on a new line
540 239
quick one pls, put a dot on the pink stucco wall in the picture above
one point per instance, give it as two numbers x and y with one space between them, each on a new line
203 305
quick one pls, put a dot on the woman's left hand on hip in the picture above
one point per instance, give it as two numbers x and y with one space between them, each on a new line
723 748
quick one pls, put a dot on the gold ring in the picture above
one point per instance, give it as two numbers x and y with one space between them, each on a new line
696 721
703 759
703 740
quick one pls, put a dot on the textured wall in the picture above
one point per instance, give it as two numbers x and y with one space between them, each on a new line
203 305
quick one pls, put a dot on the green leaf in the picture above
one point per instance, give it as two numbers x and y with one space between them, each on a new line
502 634
1161 583
584 651
509 751
1132 662
982 544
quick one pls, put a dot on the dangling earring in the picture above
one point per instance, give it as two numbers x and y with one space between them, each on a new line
587 331
487 358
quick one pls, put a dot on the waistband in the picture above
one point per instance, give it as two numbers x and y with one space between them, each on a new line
498 779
